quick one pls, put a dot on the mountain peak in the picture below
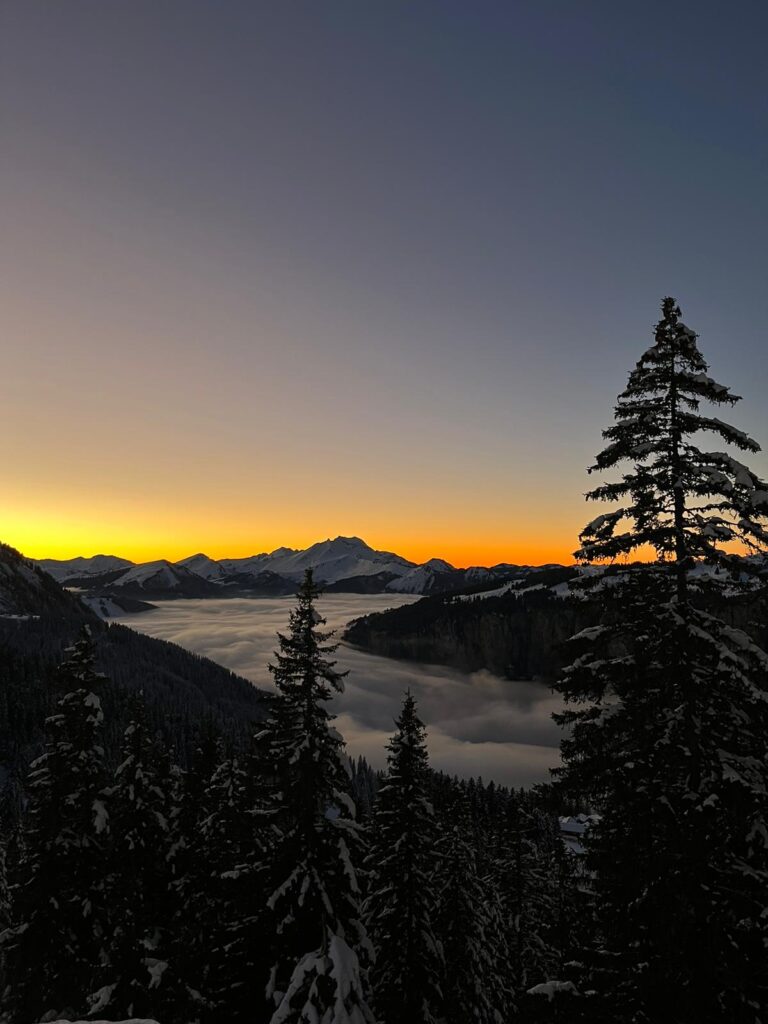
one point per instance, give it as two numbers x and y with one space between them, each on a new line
439 565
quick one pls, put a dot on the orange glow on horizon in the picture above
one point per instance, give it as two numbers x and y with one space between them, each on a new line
460 555
42 539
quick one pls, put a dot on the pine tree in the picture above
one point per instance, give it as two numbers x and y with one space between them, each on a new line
409 963
229 918
365 786
56 937
471 927
667 705
530 878
319 936
139 879
177 999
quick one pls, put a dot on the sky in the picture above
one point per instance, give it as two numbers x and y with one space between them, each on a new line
478 724
272 272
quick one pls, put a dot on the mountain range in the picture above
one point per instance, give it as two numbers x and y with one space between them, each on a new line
344 564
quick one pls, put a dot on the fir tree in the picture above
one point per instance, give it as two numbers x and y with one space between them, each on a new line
177 998
56 937
667 708
530 876
229 919
471 928
409 964
139 880
320 938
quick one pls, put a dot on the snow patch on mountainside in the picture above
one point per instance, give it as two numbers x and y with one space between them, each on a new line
204 566
422 578
159 574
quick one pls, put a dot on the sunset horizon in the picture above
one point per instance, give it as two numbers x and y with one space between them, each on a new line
545 553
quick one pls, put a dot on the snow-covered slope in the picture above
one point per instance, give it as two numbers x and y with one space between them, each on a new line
435 574
113 606
71 568
159 579
204 566
26 591
160 573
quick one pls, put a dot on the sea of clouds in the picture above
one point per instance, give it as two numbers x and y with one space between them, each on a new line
478 724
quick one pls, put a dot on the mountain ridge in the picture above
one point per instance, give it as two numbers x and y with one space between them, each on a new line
341 564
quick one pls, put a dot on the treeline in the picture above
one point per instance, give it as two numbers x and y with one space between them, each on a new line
245 887
183 693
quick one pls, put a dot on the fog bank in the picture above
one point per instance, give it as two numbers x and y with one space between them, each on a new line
478 724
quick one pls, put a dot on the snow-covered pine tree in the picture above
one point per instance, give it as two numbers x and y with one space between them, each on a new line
365 786
139 879
229 908
401 864
471 928
317 974
527 867
668 706
56 936
177 1000
180 998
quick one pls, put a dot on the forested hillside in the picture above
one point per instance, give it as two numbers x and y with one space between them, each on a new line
184 694
521 632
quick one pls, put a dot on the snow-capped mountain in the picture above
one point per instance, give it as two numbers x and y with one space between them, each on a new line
331 561
159 579
163 574
435 574
71 568
204 566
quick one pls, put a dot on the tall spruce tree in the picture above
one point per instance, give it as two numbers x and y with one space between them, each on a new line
402 865
667 707
139 879
317 974
55 941
527 867
229 918
471 927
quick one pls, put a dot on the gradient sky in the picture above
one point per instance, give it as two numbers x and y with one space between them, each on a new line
274 271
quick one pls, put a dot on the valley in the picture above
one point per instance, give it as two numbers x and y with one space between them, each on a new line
479 723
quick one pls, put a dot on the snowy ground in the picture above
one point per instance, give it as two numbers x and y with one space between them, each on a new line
478 724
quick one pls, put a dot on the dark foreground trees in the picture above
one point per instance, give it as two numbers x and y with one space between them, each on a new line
184 895
668 709
58 921
321 945
402 864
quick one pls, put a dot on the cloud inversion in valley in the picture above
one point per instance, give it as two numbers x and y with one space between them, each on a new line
478 723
